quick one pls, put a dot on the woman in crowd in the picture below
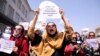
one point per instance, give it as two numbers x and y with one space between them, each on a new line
73 48
21 43
51 42
91 46
79 39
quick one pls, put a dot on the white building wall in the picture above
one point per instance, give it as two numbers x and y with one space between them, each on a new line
21 13
30 15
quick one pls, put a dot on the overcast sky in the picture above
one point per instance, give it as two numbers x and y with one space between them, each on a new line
80 13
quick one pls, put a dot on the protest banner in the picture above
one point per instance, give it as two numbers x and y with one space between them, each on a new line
49 9
92 43
6 46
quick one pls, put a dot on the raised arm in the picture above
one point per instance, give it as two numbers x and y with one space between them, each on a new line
67 26
32 25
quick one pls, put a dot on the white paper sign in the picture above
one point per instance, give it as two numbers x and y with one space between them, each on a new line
6 45
92 43
6 35
49 10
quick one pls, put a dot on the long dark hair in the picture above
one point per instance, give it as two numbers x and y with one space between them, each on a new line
22 31
90 33
49 33
51 22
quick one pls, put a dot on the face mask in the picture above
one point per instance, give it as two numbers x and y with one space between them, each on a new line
8 31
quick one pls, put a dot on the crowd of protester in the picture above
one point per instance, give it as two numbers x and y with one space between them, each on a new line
51 42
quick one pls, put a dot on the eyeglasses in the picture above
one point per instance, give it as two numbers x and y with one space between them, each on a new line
18 29
51 25
92 35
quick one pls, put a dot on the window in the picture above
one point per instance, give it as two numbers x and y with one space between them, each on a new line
26 14
23 9
19 4
10 12
14 1
17 18
22 19
2 5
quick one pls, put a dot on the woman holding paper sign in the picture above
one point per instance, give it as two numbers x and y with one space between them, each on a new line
91 45
21 43
51 43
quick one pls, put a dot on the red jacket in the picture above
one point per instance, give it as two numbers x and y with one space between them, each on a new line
22 44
